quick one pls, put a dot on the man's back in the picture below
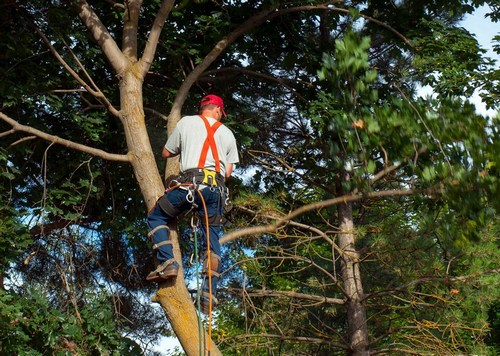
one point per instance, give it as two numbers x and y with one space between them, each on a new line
189 137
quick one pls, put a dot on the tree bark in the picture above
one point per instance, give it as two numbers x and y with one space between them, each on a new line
356 315
173 296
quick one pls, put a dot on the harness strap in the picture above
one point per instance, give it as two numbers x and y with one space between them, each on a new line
167 207
159 227
164 265
210 143
166 242
217 220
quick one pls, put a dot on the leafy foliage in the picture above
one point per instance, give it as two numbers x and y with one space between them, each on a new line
31 325
301 134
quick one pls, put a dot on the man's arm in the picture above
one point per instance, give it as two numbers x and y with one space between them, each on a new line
167 154
229 170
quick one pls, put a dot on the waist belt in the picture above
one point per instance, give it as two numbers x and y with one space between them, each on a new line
203 176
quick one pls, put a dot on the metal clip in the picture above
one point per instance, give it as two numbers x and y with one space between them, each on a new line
227 201
190 196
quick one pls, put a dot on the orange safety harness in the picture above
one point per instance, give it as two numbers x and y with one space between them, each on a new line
210 143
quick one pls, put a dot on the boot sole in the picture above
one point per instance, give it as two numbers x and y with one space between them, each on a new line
157 277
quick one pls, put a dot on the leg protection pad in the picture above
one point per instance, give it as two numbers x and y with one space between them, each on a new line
214 264
161 242
208 300
208 303
167 207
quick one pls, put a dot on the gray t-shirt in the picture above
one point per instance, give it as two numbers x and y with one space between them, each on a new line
188 138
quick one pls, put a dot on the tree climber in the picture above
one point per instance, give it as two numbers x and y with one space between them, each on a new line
208 152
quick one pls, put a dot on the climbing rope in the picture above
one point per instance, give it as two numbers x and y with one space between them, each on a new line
209 271
194 228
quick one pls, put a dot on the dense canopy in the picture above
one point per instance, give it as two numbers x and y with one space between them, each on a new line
364 217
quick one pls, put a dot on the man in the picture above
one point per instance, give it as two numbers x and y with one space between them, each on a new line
207 152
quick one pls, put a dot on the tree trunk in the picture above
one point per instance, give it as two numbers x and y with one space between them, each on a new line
356 313
173 296
142 157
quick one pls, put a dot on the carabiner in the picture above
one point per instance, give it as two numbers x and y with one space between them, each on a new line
190 196
227 202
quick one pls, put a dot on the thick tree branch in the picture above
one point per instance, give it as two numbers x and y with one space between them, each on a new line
245 27
102 36
130 26
152 43
63 142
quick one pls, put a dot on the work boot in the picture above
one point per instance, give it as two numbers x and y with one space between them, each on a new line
166 270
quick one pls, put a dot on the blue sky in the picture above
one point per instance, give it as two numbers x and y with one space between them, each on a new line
483 29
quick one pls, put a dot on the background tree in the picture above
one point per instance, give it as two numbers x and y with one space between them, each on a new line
363 137
408 250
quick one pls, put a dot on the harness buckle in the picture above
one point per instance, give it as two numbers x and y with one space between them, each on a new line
209 177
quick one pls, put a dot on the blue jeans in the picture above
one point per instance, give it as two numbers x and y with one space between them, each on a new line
178 200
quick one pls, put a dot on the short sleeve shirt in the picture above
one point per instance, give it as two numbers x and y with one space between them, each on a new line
188 138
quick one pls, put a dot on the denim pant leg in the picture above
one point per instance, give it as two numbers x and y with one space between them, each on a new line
159 217
214 207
